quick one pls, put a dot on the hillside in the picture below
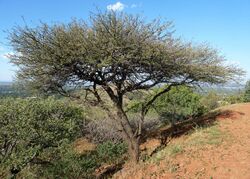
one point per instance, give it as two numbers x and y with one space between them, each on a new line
220 150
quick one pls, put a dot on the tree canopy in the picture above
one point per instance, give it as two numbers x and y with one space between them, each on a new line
113 48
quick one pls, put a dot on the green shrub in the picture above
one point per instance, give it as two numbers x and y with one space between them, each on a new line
180 103
68 164
30 127
211 100
36 137
110 151
233 99
247 92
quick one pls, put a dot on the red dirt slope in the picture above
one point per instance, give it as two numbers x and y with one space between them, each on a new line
229 160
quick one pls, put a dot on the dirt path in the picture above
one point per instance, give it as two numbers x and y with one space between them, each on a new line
229 160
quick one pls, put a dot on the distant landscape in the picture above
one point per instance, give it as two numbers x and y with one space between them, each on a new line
8 89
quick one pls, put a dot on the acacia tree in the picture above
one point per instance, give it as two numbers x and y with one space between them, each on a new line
117 53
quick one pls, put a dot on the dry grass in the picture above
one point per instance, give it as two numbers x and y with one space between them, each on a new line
205 136
199 137
82 145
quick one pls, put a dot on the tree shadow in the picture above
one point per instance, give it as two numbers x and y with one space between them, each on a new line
166 133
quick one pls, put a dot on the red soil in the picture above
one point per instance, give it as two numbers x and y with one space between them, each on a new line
229 160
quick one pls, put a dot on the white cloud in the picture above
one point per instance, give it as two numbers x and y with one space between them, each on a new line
136 5
133 5
116 7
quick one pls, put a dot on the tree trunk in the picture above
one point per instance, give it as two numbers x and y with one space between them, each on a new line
128 135
133 150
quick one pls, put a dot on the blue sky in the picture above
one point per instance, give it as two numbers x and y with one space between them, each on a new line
224 24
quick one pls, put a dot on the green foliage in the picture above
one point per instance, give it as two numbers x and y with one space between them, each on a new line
211 100
68 164
43 130
234 98
214 99
110 151
247 92
28 127
180 103
134 106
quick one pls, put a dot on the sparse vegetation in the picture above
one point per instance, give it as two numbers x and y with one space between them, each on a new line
169 151
199 137
206 135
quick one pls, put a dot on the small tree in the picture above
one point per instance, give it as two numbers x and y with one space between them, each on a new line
117 53
247 92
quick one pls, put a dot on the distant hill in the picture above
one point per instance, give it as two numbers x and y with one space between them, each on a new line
6 83
8 90
226 89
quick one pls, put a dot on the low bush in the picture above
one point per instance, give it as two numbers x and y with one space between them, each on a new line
30 127
65 163
110 152
102 130
179 104
68 164
36 138
246 97
211 100
233 99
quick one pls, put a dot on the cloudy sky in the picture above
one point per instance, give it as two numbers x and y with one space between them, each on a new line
224 24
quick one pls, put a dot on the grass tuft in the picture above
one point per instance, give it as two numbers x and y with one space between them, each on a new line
200 136
205 136
167 152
